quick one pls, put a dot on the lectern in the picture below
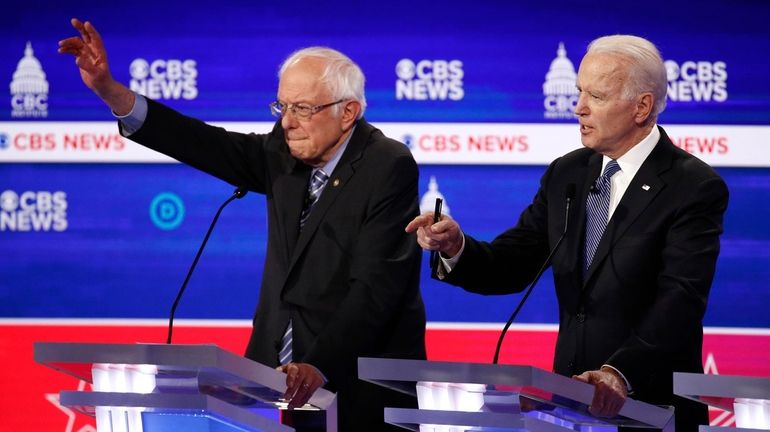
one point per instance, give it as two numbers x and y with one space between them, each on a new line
460 397
748 397
153 387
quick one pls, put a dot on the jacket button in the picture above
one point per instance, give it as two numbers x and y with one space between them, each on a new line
581 318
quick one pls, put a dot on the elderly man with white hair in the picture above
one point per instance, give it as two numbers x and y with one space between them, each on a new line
341 277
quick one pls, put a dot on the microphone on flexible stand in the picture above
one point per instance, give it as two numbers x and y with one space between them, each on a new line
239 193
569 194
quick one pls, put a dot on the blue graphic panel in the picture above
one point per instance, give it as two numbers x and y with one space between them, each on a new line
114 258
120 255
481 62
116 240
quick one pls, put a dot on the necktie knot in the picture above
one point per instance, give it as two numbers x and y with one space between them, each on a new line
611 168
319 180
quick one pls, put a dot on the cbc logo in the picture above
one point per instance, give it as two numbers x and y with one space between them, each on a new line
429 80
167 211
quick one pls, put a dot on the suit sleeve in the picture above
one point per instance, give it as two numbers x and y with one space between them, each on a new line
233 157
508 263
671 327
384 273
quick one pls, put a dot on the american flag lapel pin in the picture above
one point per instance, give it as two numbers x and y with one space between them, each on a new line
646 187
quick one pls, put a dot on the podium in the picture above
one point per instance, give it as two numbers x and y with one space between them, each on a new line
747 397
460 397
154 387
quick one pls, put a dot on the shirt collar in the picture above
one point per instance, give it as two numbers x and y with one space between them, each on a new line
328 168
636 155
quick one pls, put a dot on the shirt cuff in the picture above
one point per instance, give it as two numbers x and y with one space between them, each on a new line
449 263
134 120
628 384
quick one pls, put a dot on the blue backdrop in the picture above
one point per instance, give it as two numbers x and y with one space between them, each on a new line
102 249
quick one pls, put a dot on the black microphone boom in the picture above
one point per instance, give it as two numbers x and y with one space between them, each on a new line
569 193
238 194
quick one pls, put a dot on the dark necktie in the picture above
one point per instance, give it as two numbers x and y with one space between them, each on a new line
597 211
314 190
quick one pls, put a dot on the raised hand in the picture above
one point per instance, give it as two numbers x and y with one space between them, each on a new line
91 59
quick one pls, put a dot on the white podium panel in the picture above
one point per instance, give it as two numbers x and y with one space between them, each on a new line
459 397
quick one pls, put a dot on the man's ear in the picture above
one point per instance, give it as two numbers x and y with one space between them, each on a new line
644 105
350 112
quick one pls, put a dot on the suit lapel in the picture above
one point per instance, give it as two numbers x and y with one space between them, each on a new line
645 186
289 194
575 250
337 181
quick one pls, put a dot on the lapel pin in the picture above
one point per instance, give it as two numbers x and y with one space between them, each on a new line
646 187
336 182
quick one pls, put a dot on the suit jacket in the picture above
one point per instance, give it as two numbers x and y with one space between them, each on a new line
640 305
349 280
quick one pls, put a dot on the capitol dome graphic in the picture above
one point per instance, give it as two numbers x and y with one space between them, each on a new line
29 76
561 76
428 200
29 87
559 88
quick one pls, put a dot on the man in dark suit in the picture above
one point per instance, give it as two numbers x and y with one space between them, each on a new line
341 277
634 271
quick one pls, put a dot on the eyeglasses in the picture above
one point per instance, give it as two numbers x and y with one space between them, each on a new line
300 110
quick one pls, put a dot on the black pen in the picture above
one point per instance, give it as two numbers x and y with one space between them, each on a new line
434 256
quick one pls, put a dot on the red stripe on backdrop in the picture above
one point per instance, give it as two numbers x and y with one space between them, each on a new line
525 347
28 401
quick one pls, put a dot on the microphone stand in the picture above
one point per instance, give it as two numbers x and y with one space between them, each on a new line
238 194
570 195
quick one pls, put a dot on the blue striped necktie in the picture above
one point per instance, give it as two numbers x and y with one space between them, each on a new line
597 212
314 189
284 355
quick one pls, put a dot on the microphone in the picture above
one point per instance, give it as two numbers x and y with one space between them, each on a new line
569 195
239 193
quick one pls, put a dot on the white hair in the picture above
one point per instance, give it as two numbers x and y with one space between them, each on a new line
342 77
646 73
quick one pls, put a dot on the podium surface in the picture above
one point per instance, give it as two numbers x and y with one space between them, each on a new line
498 397
147 387
748 397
